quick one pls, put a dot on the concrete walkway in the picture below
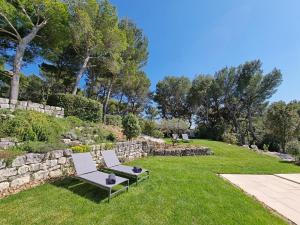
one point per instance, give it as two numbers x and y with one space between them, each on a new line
281 192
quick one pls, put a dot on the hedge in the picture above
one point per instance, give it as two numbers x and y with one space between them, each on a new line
79 106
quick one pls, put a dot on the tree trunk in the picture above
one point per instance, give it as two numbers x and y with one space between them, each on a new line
250 125
107 97
21 47
15 80
80 73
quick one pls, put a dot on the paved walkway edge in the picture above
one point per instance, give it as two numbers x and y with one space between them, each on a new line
273 211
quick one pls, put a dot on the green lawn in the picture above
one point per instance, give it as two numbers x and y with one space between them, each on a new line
182 190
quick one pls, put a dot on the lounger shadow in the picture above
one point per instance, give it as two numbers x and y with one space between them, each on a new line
86 171
113 164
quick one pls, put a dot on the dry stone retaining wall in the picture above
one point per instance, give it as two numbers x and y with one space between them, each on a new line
28 105
33 169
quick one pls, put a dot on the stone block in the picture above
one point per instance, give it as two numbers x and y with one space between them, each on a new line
4 100
35 167
33 105
67 152
6 144
14 102
47 107
8 172
23 103
4 106
40 175
19 161
20 181
56 154
4 186
2 164
51 163
62 160
32 158
54 168
55 173
23 169
66 140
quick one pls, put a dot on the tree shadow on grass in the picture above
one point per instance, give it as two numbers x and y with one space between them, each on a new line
290 162
82 189
85 190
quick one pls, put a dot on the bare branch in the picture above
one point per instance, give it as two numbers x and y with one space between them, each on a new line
8 32
10 24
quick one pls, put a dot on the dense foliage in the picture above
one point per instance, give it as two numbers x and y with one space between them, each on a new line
131 126
79 106
33 126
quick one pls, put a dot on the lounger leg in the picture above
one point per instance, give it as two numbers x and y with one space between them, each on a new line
137 179
127 185
109 195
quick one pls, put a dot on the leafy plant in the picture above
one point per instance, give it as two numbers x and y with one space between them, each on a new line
33 126
293 148
39 147
111 137
81 148
131 126
230 138
79 106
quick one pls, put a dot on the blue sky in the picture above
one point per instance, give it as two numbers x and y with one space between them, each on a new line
199 37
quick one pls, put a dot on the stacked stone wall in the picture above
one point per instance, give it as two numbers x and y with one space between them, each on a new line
28 105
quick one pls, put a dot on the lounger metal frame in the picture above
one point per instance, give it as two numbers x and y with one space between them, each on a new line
109 189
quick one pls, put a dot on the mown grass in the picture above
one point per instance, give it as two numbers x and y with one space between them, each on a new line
181 190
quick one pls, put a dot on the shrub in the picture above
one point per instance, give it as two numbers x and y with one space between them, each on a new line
157 134
92 131
149 127
293 148
39 147
111 137
81 148
266 147
74 121
230 138
79 106
33 126
114 120
131 126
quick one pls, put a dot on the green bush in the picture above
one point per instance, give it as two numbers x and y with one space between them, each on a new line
230 138
114 120
39 147
74 121
149 127
131 126
157 134
111 137
293 148
33 126
79 106
81 148
91 131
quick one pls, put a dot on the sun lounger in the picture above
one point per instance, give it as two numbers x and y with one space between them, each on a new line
185 138
86 171
113 164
